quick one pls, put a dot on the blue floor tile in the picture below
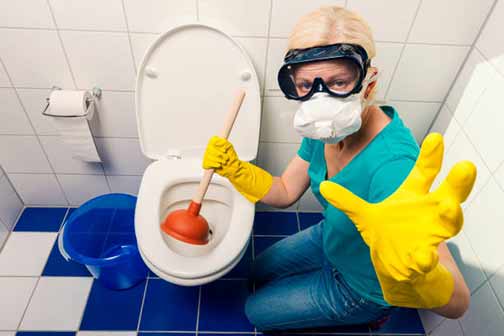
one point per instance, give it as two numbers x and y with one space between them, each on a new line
108 309
275 223
44 333
57 266
222 306
167 334
169 307
242 269
402 321
41 219
262 243
307 219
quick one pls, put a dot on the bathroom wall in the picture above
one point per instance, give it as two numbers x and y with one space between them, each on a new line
10 207
472 121
421 46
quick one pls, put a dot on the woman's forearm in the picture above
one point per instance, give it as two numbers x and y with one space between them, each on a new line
277 196
459 301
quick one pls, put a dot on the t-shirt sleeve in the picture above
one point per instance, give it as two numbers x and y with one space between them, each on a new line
306 149
388 178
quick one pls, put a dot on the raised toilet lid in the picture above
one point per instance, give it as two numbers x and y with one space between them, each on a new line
185 86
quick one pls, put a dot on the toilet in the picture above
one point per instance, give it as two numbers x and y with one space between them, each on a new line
185 86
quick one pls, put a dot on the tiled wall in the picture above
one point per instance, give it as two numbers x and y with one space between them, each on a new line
473 123
10 207
80 43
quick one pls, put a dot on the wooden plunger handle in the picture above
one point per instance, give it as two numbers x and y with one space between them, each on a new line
230 119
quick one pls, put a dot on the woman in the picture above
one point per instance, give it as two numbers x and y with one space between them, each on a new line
326 275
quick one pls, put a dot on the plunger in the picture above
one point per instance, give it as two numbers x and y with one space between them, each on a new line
188 225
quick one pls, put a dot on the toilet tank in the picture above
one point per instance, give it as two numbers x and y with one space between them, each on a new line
185 86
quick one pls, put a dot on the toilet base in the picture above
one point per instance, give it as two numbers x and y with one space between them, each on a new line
196 281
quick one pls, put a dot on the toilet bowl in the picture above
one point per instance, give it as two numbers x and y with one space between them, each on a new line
185 86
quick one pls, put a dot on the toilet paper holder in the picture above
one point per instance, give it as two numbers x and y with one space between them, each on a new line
96 93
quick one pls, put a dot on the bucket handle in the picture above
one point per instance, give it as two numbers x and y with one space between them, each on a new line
60 244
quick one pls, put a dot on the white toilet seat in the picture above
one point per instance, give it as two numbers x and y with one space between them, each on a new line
157 178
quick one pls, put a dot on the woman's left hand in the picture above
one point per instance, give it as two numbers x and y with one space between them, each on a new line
404 230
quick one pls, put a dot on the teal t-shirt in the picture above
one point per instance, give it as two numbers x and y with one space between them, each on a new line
373 174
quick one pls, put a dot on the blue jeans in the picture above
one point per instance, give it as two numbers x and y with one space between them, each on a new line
297 288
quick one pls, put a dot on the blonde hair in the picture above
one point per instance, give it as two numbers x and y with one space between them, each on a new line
329 25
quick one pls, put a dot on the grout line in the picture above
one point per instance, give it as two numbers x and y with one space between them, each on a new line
129 36
28 303
394 72
197 10
61 43
464 63
198 311
87 300
142 305
488 61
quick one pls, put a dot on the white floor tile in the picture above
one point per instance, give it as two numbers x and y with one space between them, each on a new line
25 253
448 328
57 304
7 333
15 294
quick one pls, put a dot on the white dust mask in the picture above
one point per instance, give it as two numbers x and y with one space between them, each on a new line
328 118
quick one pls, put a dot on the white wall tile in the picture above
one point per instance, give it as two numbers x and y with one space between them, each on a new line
25 14
100 59
13 119
277 120
497 283
17 259
465 78
15 294
34 102
38 189
490 40
308 202
34 58
430 320
238 17
285 14
387 56
425 72
417 116
256 49
448 328
499 175
57 303
22 154
276 52
484 216
481 77
125 184
4 80
385 23
462 149
449 22
484 316
115 115
152 15
467 261
484 125
89 14
81 188
140 43
11 205
447 125
122 156
274 157
60 156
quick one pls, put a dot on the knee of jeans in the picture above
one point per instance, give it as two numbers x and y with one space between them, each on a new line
251 309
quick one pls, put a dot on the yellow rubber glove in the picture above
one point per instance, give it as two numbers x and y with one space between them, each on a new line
250 180
404 230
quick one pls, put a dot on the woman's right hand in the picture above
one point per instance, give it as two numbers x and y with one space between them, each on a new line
250 180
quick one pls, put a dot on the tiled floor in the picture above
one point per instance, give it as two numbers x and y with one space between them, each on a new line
42 294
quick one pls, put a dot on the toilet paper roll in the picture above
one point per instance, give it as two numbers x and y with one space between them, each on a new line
68 109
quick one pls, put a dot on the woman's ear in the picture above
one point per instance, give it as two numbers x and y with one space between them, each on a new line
373 76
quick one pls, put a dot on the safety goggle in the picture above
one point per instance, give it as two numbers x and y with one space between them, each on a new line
354 61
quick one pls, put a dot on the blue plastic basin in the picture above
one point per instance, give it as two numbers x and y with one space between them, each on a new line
100 234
